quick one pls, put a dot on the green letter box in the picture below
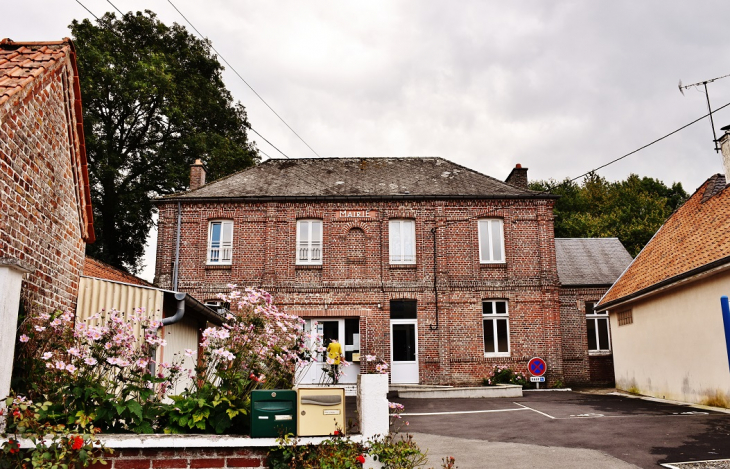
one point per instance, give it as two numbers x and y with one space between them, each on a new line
273 412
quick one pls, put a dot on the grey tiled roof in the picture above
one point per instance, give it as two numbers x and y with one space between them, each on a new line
358 178
590 261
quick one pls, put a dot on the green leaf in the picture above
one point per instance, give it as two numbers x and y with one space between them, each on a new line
135 408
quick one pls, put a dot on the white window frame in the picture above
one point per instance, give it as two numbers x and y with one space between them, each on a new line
309 252
223 254
397 253
495 317
485 228
596 317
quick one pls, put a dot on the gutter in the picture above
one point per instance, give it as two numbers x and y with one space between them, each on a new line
180 298
343 198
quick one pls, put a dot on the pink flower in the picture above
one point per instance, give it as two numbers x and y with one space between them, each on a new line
24 338
70 368
91 361
40 328
47 356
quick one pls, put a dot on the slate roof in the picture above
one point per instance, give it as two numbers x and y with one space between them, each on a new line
694 239
21 63
361 178
590 261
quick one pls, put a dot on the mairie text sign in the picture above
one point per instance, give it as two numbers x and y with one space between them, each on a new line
537 366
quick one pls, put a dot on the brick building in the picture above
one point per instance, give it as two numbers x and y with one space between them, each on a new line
45 205
441 270
587 267
45 209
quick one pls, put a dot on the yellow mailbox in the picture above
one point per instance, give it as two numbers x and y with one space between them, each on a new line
321 411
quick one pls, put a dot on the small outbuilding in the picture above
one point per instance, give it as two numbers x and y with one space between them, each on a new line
665 312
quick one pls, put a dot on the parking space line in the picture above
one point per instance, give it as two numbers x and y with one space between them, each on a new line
534 410
462 412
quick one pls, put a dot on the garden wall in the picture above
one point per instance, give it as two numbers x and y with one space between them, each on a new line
186 458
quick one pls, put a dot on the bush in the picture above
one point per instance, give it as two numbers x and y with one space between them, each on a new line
505 375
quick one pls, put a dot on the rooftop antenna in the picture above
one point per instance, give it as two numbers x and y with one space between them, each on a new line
707 95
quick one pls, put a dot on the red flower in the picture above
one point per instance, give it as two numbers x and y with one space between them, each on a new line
77 442
360 459
337 432
14 446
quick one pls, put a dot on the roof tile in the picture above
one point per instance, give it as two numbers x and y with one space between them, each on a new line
20 64
694 235
590 261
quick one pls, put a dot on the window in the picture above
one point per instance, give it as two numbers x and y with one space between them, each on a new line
402 242
495 320
491 241
220 242
309 242
599 339
218 306
625 318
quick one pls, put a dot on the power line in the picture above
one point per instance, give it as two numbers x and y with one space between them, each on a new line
648 144
242 79
264 138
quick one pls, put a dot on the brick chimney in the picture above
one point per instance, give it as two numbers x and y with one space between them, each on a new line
724 142
197 175
518 177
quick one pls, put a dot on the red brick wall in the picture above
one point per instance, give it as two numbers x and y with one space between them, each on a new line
351 282
185 459
580 368
40 219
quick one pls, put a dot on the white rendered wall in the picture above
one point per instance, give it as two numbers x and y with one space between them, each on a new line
11 278
675 348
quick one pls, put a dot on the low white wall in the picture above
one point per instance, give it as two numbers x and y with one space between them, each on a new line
675 348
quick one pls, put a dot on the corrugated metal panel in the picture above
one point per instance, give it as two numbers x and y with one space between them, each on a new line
96 295
180 336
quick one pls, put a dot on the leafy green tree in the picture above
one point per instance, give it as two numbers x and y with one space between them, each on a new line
631 210
153 102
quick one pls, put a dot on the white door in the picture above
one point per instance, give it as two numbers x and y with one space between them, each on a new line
404 351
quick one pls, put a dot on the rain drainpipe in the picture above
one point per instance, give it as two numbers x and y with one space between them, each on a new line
435 327
179 313
177 248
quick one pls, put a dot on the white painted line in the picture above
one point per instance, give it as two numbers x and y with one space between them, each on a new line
462 412
530 408
672 465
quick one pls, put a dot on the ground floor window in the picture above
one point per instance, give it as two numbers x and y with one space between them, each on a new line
599 337
495 322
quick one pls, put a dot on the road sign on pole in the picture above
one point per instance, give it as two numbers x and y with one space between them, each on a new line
537 368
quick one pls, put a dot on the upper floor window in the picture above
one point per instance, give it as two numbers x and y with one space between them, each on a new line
491 241
220 242
309 242
402 242
599 337
495 321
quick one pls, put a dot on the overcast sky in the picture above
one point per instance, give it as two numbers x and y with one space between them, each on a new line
560 87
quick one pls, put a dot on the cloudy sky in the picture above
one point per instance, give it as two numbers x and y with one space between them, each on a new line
560 87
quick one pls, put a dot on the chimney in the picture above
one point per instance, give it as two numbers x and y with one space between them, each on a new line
197 175
518 177
724 142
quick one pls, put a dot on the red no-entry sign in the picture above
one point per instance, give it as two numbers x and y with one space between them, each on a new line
537 366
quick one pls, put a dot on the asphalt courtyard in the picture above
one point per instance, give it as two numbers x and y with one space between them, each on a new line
566 430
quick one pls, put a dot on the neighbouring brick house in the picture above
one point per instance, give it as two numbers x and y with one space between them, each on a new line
45 205
587 267
348 242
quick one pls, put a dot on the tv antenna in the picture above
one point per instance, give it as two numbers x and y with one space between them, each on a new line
707 95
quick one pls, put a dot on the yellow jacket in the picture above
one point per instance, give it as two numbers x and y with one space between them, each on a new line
334 351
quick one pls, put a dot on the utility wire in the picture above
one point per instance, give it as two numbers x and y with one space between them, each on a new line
115 7
265 140
649 144
242 79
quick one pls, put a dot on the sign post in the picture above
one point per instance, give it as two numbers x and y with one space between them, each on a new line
537 368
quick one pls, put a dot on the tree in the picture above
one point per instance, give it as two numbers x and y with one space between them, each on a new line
153 102
631 210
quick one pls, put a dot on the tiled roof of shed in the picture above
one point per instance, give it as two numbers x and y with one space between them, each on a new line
21 63
590 261
358 178
693 238
97 269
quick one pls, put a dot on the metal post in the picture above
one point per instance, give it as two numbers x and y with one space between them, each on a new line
726 322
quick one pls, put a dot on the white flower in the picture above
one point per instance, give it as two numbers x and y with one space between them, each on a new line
189 353
40 328
60 365
70 368
47 355
91 361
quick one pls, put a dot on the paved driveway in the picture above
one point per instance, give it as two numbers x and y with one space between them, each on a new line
625 430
